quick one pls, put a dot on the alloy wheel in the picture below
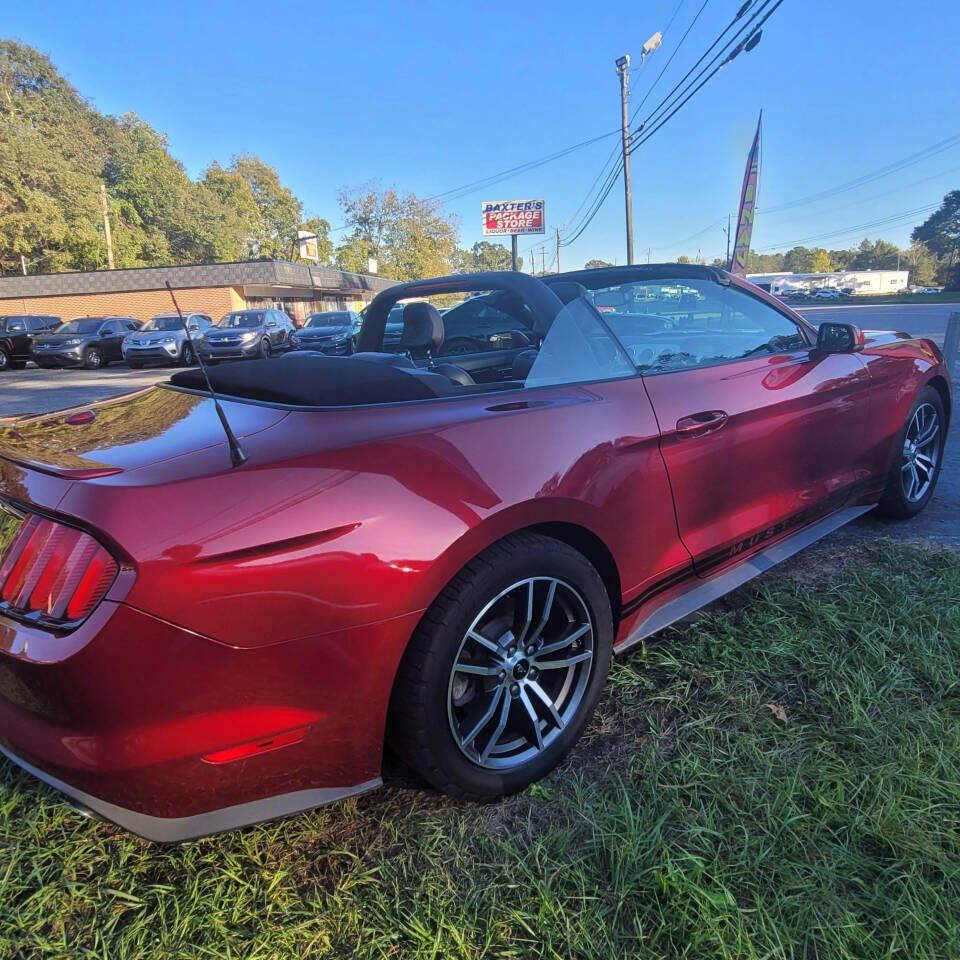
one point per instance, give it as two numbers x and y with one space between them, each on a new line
921 453
188 358
94 358
4 359
520 673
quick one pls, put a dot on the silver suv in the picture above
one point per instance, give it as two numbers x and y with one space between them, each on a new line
162 340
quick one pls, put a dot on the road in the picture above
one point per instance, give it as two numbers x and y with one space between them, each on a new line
917 319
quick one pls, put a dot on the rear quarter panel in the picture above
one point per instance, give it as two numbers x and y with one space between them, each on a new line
344 518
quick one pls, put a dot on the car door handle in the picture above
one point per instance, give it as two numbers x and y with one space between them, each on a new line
697 424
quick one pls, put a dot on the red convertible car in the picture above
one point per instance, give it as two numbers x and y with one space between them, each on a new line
437 551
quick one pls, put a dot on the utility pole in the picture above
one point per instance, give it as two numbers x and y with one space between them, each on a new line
106 225
728 241
623 71
23 264
558 252
513 251
543 261
648 254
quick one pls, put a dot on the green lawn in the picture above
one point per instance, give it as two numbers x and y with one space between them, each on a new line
691 822
945 296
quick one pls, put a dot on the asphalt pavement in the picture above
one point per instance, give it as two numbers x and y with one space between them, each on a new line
917 319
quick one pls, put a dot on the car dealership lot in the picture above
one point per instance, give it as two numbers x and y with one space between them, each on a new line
917 319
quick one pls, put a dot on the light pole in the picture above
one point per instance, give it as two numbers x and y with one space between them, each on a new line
623 71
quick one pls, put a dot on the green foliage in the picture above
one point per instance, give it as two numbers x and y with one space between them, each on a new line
940 234
596 264
410 237
690 822
482 256
820 261
55 150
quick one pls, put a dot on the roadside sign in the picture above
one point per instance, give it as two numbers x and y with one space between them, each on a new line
308 246
502 218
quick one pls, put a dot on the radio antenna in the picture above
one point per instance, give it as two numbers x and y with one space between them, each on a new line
237 455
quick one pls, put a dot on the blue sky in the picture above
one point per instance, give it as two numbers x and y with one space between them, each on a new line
429 96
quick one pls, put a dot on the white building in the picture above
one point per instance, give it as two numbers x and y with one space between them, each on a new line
855 282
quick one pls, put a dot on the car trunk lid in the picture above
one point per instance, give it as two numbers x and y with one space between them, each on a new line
126 433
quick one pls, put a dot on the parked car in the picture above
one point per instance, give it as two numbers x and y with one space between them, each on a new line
333 331
393 547
90 342
162 339
16 337
827 293
247 334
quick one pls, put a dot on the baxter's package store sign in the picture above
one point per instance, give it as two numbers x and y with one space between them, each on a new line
504 217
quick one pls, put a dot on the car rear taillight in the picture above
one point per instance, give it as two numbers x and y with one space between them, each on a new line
53 574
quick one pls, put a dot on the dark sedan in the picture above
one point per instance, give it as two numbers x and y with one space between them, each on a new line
247 335
90 342
16 337
332 332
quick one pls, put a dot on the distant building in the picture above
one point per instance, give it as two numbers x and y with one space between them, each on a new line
854 282
299 289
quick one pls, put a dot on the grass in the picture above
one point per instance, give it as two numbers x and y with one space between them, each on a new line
690 822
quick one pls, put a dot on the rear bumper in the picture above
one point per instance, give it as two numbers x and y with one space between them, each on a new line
173 735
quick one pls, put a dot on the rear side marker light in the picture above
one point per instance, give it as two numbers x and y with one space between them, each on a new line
53 574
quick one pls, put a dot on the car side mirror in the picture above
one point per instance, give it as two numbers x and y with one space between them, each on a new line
103 332
839 338
193 328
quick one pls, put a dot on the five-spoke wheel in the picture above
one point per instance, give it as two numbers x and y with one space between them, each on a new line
921 452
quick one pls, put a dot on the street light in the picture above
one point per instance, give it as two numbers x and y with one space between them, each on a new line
623 71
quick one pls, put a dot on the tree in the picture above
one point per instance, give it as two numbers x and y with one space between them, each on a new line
683 258
596 264
278 211
410 237
321 228
876 255
798 260
483 256
921 263
765 262
940 234
820 261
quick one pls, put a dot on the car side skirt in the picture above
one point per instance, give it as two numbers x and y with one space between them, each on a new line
701 592
177 829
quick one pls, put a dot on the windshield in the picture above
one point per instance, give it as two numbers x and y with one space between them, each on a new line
253 319
332 319
162 323
81 325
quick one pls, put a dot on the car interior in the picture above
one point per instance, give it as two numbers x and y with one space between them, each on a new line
504 340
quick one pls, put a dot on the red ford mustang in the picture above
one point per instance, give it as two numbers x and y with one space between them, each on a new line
438 546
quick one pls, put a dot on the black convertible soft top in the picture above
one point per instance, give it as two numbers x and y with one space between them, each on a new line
312 379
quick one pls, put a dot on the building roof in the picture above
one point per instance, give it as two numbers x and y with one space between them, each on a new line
267 273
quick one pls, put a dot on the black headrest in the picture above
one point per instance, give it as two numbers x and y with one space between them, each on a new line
422 327
569 290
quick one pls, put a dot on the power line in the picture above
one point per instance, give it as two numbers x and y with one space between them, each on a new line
687 93
869 225
866 178
676 50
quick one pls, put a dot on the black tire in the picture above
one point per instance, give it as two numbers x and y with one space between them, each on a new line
133 365
187 356
17 364
265 349
5 362
419 729
93 358
895 503
45 366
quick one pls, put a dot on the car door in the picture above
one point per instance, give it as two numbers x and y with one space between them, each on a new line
110 336
760 432
19 337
